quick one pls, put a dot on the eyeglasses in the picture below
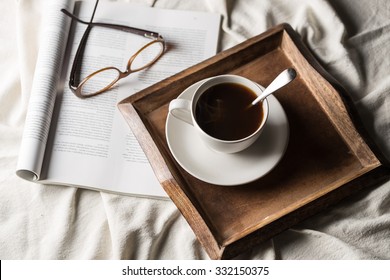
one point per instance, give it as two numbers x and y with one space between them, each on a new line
103 79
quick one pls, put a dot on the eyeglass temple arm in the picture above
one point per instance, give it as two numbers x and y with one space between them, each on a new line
76 61
138 31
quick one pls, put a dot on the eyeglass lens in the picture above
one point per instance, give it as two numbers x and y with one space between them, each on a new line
146 56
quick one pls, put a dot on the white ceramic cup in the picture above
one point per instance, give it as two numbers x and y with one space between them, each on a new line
184 110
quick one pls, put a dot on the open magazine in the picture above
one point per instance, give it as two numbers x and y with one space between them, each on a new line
86 142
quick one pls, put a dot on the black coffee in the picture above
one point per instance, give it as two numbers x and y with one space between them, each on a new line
224 111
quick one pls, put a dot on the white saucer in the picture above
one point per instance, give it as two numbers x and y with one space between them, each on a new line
228 169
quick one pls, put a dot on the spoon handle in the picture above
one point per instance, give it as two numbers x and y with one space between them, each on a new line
280 81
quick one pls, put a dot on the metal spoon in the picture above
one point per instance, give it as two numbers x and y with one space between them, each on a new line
280 81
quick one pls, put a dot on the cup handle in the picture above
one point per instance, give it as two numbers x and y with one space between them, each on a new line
181 109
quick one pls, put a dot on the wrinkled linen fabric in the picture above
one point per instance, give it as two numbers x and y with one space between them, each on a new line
351 39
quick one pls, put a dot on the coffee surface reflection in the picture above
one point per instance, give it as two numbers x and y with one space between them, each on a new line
224 111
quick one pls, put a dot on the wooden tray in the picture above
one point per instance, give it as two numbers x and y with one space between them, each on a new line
327 157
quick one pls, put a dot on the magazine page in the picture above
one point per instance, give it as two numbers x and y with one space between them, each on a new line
90 142
43 93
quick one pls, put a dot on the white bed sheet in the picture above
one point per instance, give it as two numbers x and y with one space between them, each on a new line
352 41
